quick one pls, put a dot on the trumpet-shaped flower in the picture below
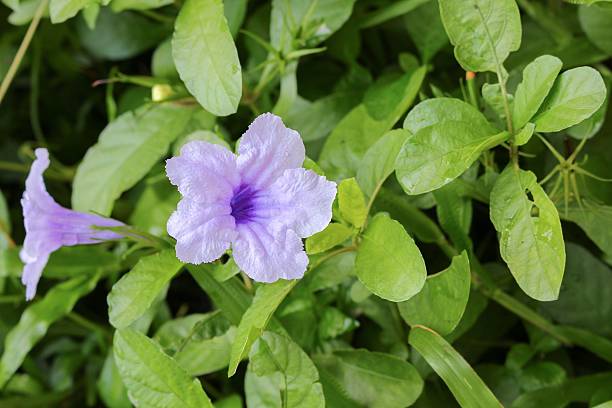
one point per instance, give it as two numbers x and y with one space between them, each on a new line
50 226
261 202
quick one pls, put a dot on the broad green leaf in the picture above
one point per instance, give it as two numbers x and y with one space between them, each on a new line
436 110
162 64
36 319
469 390
120 5
367 122
579 389
352 202
235 11
595 220
157 200
484 32
388 261
200 343
441 303
524 134
118 36
62 10
280 374
110 387
426 29
379 161
575 96
311 21
436 155
151 377
538 79
333 235
126 150
135 292
531 239
454 211
595 22
202 43
254 321
372 379
585 293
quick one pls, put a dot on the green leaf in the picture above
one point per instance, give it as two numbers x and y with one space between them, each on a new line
426 30
280 374
441 303
202 42
379 161
151 377
126 150
110 387
436 155
135 292
62 10
524 135
36 319
391 11
531 239
595 220
254 321
388 261
585 293
162 64
365 124
576 95
333 235
352 202
372 379
484 32
538 79
118 36
595 22
120 5
469 390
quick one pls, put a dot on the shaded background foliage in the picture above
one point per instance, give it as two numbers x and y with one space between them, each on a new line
329 335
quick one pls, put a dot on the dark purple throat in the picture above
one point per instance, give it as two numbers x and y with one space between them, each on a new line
243 204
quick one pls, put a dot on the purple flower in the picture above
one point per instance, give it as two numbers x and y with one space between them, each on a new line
50 226
260 202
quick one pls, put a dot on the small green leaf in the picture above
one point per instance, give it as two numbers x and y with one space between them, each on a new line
120 5
352 202
372 379
202 43
151 377
538 79
135 292
280 374
484 32
595 22
441 303
426 29
576 95
524 135
469 390
436 155
388 261
254 321
333 235
110 387
62 10
126 150
36 319
595 220
379 161
531 239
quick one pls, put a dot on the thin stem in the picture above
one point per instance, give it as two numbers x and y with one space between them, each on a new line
25 43
35 92
330 255
370 203
552 149
88 324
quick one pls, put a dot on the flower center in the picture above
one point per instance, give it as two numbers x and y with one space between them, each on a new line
243 204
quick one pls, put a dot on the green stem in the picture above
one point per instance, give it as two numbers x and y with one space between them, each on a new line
89 325
35 92
25 43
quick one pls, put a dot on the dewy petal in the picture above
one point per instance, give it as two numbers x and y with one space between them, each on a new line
204 172
203 232
301 200
50 226
267 255
267 149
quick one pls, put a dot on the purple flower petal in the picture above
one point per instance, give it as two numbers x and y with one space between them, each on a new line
203 232
50 226
267 255
204 172
267 149
304 201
